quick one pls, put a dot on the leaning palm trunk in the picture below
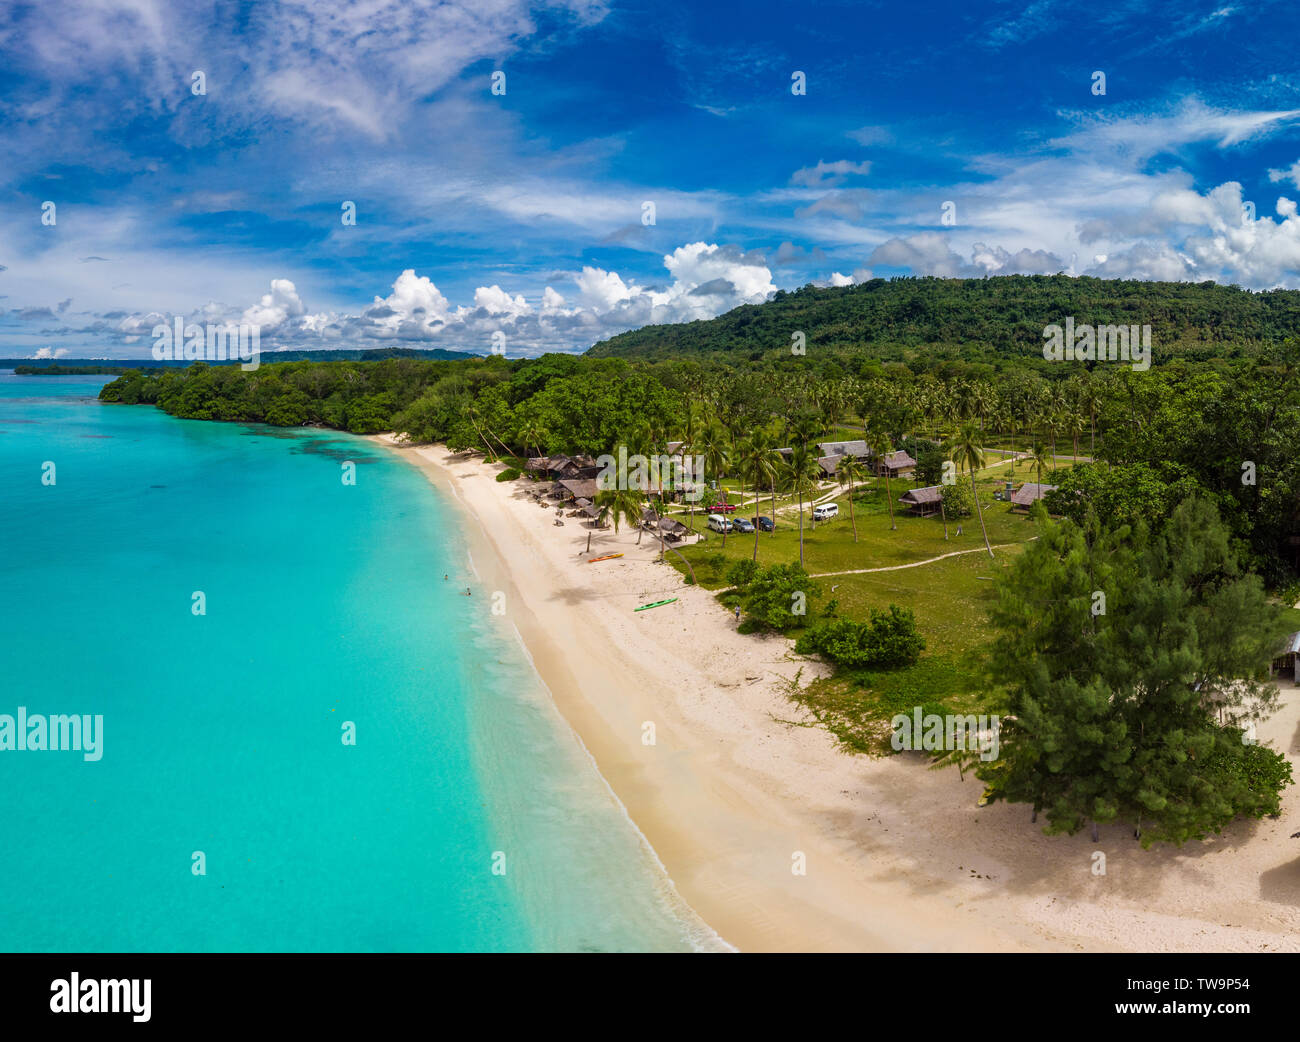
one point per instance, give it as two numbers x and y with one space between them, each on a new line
980 510
801 527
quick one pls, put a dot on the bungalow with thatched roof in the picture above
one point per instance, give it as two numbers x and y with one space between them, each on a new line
857 449
1028 494
897 464
562 466
923 501
1285 659
579 488
828 465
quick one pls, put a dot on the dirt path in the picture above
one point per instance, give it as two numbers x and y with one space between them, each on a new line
917 564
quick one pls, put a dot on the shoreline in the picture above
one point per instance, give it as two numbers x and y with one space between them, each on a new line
736 787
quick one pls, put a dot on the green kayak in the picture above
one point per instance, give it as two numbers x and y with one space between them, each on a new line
655 604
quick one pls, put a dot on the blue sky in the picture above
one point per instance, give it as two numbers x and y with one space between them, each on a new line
524 213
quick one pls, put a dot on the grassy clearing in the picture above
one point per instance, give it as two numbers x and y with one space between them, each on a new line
951 598
830 546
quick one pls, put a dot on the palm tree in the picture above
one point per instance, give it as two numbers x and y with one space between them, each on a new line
713 447
1038 458
759 460
620 504
1052 423
804 472
532 433
965 451
849 472
1076 423
881 447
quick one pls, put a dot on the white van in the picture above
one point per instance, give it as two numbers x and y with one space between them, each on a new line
719 523
826 511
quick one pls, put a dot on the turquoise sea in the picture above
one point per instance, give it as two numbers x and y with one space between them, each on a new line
325 606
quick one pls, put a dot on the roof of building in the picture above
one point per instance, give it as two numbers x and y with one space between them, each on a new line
1030 492
582 488
829 463
898 460
921 496
844 448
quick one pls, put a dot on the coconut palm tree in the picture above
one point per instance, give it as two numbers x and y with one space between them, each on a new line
620 504
1038 458
759 460
849 473
713 447
804 473
881 446
966 451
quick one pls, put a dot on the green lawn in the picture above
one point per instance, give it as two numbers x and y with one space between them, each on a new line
951 598
831 548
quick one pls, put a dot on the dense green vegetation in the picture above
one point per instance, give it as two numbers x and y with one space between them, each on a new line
976 319
71 370
914 611
1134 660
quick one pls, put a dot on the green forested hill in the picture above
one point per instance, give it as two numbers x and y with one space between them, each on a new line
981 317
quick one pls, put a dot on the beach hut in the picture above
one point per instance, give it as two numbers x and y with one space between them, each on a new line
857 449
923 501
1285 659
828 465
1028 494
897 464
578 488
674 531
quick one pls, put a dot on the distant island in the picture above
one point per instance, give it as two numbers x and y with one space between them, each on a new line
115 367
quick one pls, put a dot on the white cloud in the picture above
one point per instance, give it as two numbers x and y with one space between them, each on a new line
275 308
828 175
1291 174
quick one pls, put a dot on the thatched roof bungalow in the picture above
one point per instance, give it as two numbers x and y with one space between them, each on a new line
923 501
896 464
579 488
857 449
1028 494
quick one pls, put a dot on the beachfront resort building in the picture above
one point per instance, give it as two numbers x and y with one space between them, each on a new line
1028 494
923 501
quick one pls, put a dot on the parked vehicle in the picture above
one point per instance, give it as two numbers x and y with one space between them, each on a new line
765 524
724 508
741 525
719 523
826 511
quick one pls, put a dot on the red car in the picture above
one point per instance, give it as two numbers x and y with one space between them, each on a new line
724 508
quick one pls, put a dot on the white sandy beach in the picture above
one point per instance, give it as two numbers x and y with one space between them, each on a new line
737 783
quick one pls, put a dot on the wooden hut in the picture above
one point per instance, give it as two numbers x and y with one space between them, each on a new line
897 464
1028 494
923 501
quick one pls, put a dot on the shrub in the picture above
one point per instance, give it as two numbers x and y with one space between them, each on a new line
742 573
958 500
777 597
509 474
888 640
